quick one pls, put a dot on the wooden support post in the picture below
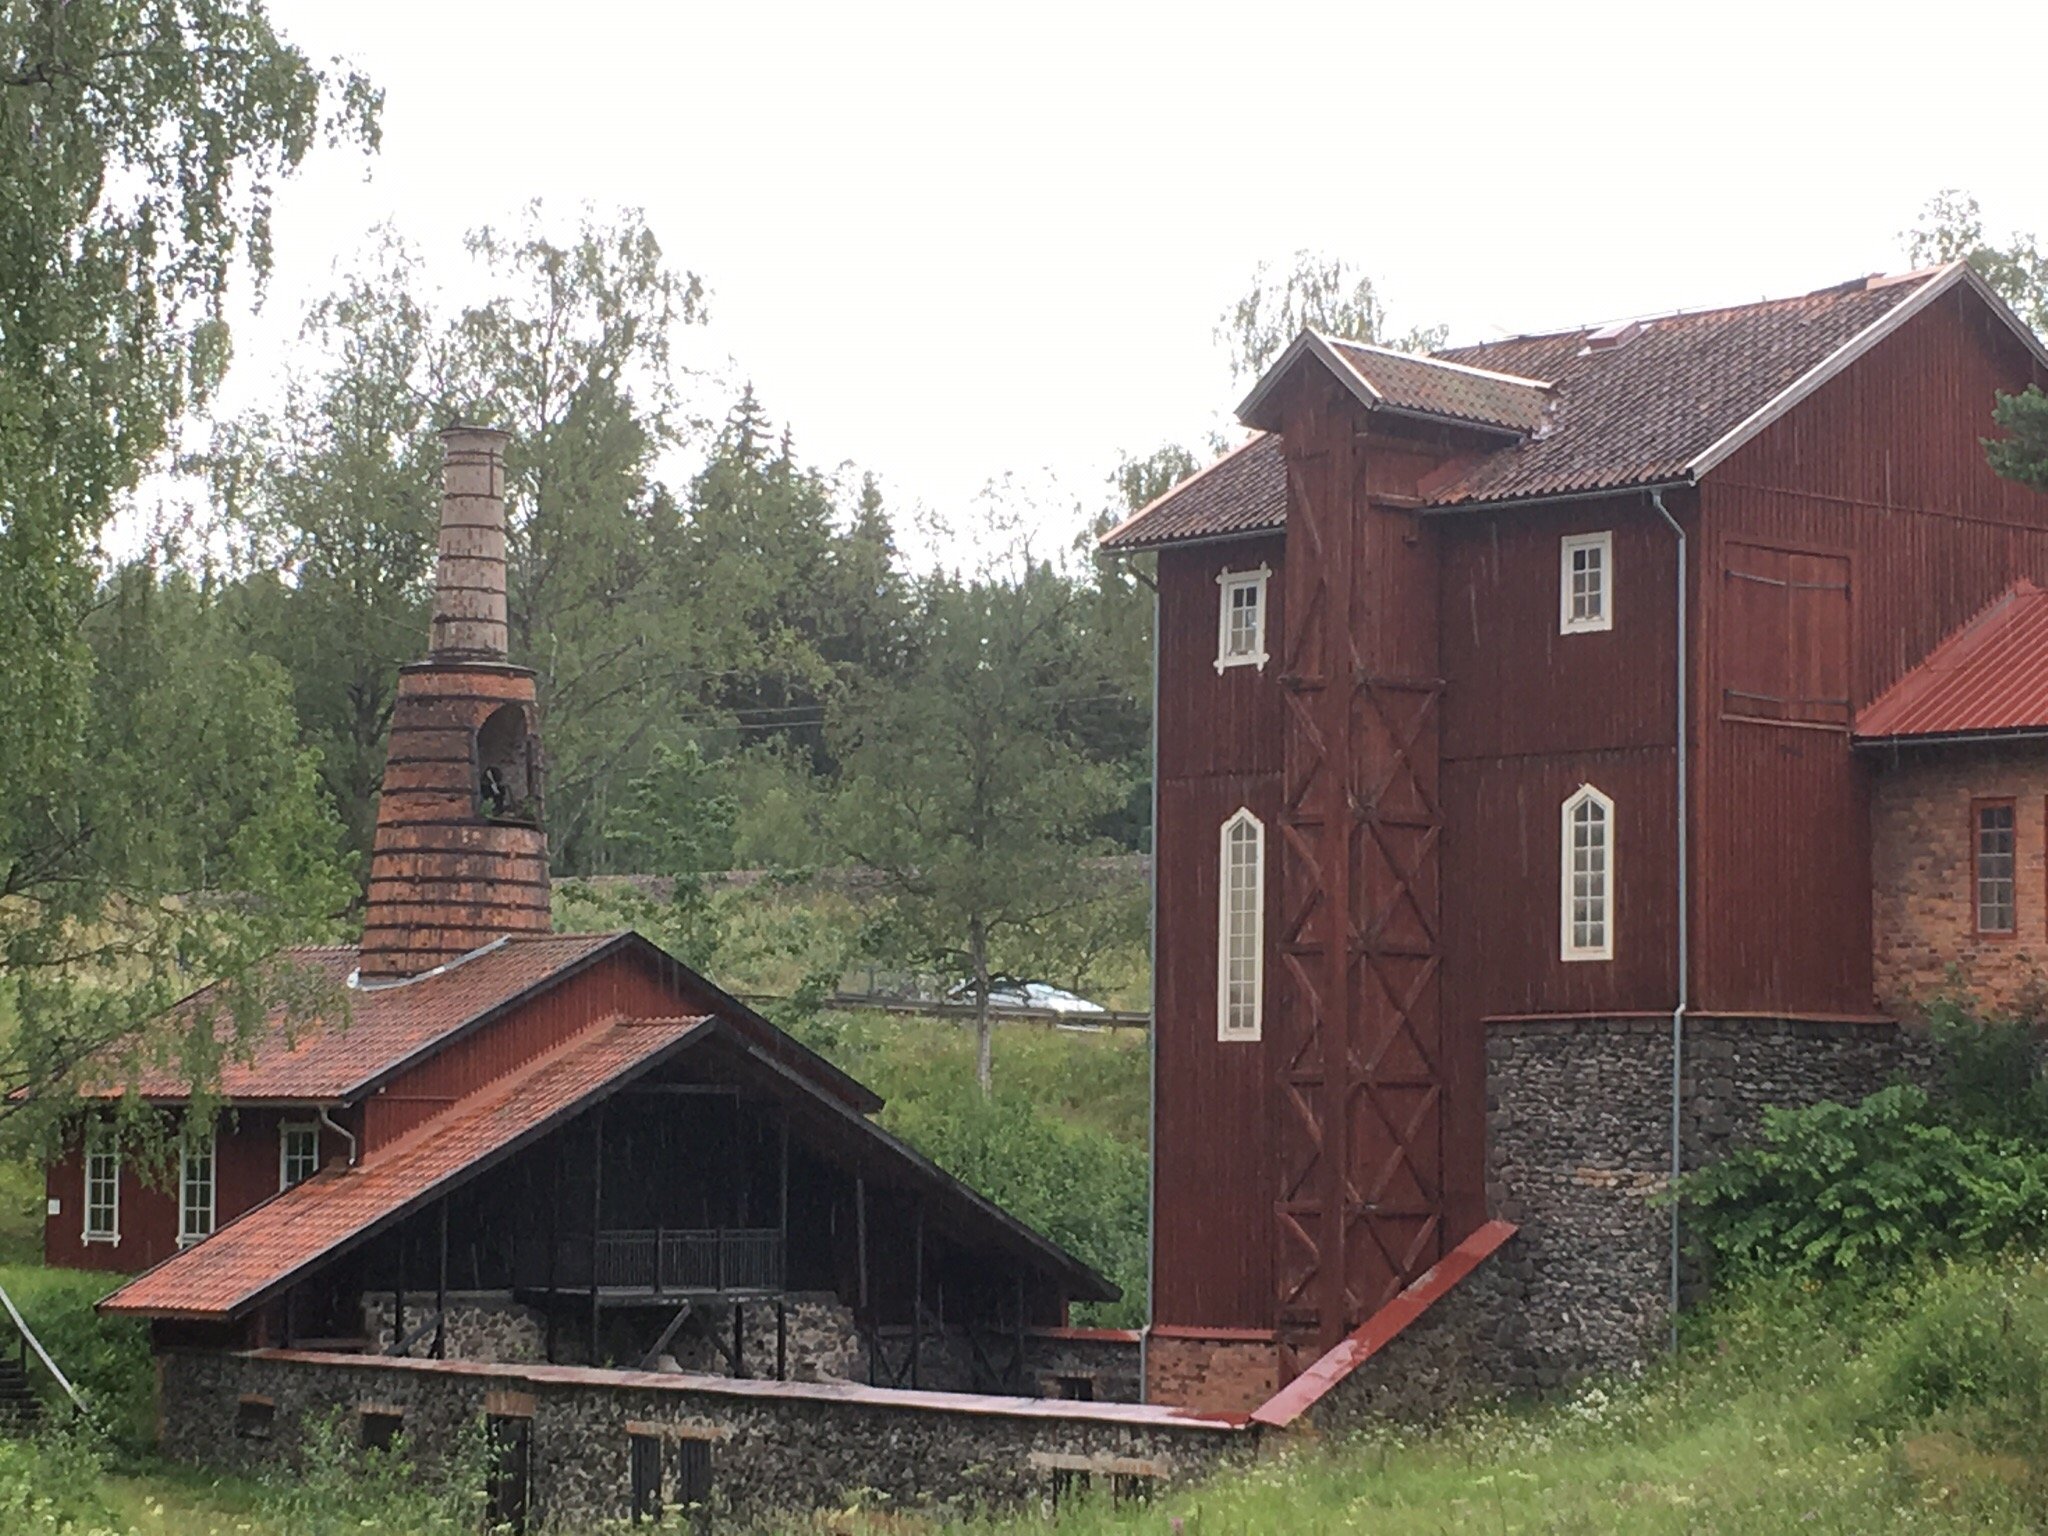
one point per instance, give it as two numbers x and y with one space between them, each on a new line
398 1290
554 1248
596 1218
1018 1336
917 1305
782 1214
781 1339
290 1292
739 1359
860 1237
441 1289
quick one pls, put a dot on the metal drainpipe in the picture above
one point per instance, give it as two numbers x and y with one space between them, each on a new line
1151 1037
339 1130
1684 912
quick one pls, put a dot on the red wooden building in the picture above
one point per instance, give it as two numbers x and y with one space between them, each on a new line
1426 645
469 1136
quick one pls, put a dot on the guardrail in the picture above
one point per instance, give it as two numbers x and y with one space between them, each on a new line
31 1344
848 1002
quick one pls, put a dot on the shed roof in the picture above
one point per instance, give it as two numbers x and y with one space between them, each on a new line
1989 678
1658 402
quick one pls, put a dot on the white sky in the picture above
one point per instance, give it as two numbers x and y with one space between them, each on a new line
953 240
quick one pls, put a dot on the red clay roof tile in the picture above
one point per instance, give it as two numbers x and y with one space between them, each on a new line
357 1033
274 1241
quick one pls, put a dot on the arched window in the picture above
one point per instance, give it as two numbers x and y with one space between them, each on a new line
1588 870
507 787
1241 928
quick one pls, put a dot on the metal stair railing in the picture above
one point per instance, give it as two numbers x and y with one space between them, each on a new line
31 1344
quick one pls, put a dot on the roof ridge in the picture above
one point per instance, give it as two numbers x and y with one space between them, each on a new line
1863 284
1430 359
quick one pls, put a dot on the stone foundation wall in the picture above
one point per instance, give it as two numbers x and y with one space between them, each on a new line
1579 1146
479 1325
1213 1369
1106 1359
1470 1347
820 1343
774 1446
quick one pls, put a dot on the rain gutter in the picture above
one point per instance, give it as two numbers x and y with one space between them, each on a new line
1684 905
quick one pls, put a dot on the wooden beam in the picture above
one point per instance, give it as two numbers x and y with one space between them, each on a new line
554 1248
675 1326
917 1304
596 1217
860 1236
441 1289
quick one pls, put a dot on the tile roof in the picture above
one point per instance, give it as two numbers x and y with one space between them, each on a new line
276 1240
339 1037
1432 386
1244 492
1641 412
1990 676
1641 405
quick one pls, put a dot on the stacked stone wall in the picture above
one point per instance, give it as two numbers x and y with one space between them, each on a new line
774 1446
1106 1359
1579 1150
480 1325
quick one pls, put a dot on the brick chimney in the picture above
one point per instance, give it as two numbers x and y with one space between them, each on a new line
460 857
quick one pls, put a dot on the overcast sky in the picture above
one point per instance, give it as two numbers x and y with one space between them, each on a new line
949 241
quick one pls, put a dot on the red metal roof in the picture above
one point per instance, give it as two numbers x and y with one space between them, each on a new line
339 1037
1990 676
264 1248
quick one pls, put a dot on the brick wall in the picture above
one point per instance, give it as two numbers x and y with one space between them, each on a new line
1923 896
1217 1370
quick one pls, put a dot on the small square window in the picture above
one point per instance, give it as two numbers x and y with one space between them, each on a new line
1241 619
298 1152
1586 583
254 1417
381 1428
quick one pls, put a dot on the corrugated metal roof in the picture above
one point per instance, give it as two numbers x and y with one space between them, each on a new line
262 1249
1990 676
1647 411
339 1037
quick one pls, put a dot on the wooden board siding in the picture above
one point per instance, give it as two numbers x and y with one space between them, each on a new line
1530 715
1881 470
1213 1197
619 983
246 1173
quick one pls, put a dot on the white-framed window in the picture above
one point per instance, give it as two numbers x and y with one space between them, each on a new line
1588 865
1241 928
102 1184
1241 619
1585 592
298 1152
195 1191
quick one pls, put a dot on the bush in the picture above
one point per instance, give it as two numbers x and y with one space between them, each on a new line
107 1359
1863 1193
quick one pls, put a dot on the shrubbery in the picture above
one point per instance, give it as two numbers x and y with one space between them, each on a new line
1861 1193
107 1359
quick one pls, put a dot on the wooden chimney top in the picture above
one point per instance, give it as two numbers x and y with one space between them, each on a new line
460 858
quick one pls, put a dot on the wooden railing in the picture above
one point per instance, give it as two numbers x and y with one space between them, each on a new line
30 1344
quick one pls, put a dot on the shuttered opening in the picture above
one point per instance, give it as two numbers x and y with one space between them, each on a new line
1784 636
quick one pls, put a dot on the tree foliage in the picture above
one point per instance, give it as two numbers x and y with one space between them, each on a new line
969 789
1318 292
140 144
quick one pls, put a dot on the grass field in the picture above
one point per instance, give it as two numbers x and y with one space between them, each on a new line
1794 1413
